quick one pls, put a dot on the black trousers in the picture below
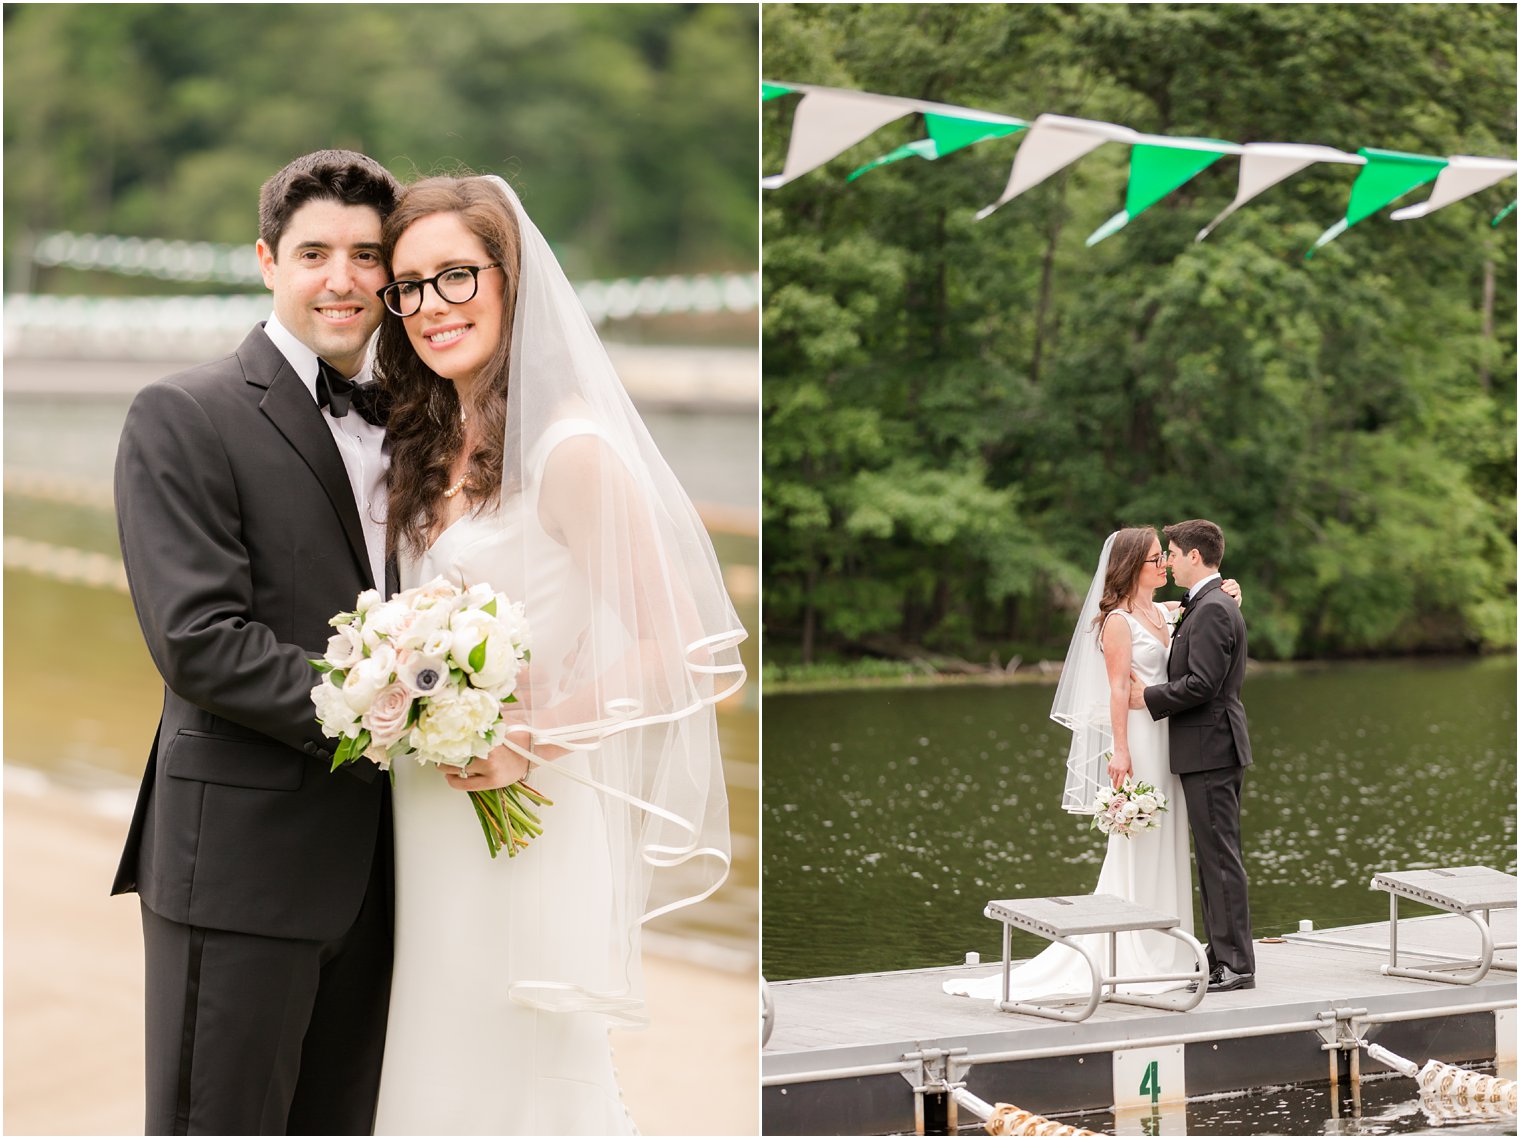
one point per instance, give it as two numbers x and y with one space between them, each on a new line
1213 803
250 1035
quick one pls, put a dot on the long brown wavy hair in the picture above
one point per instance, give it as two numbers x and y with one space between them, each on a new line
422 416
1125 560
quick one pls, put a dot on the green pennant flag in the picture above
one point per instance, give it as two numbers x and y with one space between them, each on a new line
946 135
1154 172
1388 175
770 91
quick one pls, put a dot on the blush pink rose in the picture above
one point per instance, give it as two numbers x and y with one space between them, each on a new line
386 718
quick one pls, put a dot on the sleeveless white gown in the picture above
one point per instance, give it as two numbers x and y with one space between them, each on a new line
461 1056
1152 869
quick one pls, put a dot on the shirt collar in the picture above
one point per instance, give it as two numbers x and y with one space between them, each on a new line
301 358
1197 585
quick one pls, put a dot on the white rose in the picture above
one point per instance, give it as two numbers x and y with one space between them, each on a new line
387 714
514 622
345 648
384 622
1131 809
1147 803
428 595
420 626
421 674
477 596
368 677
437 645
367 600
499 672
333 713
470 627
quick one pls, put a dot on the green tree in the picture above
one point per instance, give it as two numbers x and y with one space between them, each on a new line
1349 421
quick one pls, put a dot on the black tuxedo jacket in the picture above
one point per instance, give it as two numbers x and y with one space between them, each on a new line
241 539
1202 694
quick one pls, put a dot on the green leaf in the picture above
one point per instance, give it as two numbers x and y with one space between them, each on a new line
320 665
489 607
478 657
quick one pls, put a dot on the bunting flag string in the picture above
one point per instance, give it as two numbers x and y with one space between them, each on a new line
1156 168
1387 176
946 135
829 120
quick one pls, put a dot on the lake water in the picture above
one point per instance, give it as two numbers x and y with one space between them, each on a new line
891 816
54 629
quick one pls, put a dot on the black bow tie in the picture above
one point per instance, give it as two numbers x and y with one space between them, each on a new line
1187 600
337 394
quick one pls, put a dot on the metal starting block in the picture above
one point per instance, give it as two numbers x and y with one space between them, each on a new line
1061 919
1466 890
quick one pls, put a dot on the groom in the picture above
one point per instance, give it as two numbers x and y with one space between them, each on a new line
1210 745
250 504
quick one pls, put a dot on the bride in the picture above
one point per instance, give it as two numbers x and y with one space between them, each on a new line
1122 637
518 460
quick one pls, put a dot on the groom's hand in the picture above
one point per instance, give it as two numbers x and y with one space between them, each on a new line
1136 693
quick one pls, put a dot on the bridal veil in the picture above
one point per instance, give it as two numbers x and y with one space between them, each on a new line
623 690
1082 702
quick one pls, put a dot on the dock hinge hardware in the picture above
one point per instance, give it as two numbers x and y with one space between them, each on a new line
935 1075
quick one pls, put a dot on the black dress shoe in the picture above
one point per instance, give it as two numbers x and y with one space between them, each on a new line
1216 974
1226 980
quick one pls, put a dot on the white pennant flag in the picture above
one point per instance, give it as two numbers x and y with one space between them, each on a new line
1053 143
1265 164
1465 175
828 121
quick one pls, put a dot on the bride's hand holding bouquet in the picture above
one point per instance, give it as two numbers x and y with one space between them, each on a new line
1119 766
431 675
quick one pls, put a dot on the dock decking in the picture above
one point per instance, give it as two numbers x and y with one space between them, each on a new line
846 1053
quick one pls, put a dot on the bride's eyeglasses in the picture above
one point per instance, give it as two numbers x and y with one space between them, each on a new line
455 286
1158 561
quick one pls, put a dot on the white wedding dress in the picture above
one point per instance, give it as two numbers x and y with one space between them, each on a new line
462 1056
1152 869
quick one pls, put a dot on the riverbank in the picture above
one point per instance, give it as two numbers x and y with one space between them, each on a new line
785 680
73 995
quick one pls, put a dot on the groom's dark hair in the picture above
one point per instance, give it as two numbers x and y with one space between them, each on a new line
1197 534
324 175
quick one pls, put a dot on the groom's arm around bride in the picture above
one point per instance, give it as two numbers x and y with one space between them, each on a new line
1209 742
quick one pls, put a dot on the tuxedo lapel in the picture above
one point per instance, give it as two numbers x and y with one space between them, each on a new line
290 407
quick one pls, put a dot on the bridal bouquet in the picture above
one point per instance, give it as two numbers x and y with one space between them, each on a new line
425 676
1127 809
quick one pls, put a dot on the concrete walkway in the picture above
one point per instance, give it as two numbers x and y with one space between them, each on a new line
73 997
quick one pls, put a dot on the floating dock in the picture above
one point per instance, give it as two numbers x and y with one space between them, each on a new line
873 1053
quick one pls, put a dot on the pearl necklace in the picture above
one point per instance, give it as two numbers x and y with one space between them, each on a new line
458 486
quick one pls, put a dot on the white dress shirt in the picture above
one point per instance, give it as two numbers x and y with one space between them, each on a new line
1197 585
361 445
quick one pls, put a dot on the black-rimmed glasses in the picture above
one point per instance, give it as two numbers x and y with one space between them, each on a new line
455 286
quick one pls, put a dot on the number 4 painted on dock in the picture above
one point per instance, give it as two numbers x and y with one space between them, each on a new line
1146 1077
